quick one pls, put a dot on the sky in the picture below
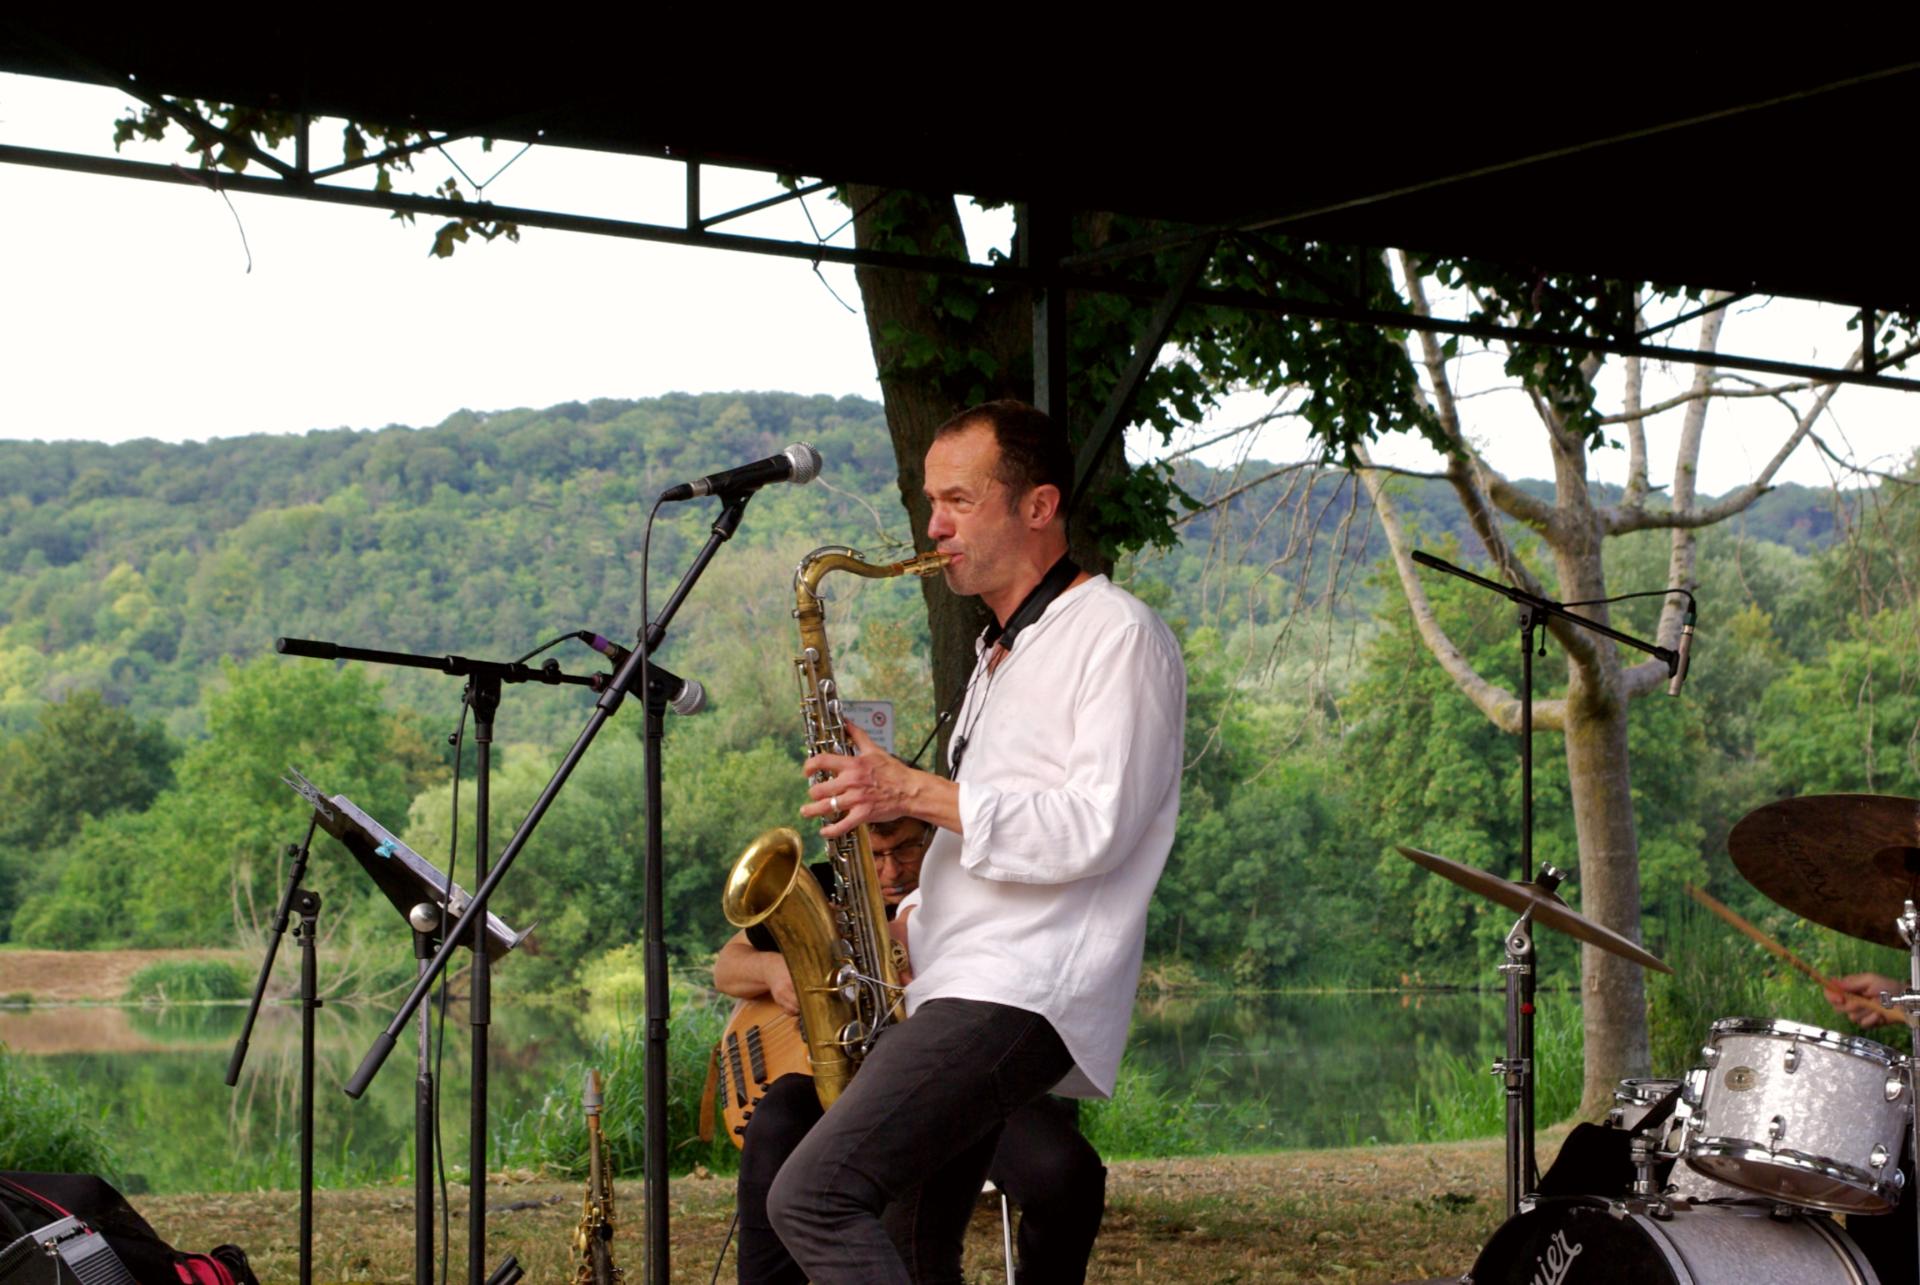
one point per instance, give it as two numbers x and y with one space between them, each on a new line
137 309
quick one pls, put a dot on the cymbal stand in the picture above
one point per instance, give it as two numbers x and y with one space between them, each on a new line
1515 1070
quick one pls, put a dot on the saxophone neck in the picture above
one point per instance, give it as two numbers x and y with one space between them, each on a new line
815 566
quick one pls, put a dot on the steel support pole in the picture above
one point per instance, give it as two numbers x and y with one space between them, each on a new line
1044 240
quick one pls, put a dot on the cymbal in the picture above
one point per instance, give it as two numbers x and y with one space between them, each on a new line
1849 861
1547 908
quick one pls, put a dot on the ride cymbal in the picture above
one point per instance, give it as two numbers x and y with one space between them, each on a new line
1547 908
1849 861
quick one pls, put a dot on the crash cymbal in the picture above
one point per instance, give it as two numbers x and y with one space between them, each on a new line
1849 861
1546 906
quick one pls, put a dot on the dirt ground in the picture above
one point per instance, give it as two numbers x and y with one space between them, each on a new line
1380 1214
77 977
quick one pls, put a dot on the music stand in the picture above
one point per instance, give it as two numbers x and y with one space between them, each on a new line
419 891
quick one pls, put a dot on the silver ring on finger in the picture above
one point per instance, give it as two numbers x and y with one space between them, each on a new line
834 803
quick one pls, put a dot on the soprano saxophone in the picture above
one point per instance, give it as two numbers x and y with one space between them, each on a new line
846 973
593 1238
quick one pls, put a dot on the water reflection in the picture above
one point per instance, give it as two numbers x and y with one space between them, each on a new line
1331 1070
1278 1070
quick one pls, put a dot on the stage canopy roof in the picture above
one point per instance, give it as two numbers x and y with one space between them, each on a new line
1652 158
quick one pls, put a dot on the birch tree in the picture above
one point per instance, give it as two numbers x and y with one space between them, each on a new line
1600 682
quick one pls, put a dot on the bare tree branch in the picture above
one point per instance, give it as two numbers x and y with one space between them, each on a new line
1468 462
1685 517
1681 399
1242 489
1278 412
1499 705
1861 469
1636 490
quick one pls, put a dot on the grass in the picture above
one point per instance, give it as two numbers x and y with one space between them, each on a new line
1458 1099
186 981
1719 973
1369 1214
43 1128
1145 1119
552 1137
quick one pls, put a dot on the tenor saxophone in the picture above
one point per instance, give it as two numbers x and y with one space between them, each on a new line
846 973
593 1238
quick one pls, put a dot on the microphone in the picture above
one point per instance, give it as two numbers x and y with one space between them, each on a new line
798 464
1680 657
688 698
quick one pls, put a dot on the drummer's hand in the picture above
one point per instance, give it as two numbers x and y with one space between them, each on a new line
1859 995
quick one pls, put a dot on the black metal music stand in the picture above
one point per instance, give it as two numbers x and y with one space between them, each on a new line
485 678
420 892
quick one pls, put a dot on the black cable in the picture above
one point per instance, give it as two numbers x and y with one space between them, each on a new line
1622 597
440 1045
546 646
725 1245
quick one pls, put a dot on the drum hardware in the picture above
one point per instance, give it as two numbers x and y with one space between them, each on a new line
1538 902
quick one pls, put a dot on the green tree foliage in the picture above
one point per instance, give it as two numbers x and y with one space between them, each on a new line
209 850
84 759
1317 737
1437 775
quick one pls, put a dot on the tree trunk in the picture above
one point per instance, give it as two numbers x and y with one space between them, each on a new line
1612 990
920 395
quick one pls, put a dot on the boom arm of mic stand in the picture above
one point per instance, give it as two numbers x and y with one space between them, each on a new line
1548 607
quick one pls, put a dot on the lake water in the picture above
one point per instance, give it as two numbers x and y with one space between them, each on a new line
1286 1070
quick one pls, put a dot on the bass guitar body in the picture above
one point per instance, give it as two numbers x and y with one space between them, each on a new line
762 1042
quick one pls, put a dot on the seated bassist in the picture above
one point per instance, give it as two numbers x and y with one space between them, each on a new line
1043 1164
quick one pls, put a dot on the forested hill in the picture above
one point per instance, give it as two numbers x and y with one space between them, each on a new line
1319 731
132 569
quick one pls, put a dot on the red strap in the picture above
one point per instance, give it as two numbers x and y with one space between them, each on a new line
199 1269
34 1195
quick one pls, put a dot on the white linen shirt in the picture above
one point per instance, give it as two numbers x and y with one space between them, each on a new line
1069 789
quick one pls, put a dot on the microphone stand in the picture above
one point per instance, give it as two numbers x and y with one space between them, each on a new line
293 898
484 681
1517 1068
657 691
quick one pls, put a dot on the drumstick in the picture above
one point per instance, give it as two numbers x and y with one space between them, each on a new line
1731 916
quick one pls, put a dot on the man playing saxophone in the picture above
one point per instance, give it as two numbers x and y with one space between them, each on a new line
1044 1165
1050 837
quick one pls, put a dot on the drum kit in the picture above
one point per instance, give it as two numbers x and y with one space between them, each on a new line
1738 1168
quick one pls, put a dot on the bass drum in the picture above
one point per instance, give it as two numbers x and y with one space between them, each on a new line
1585 1239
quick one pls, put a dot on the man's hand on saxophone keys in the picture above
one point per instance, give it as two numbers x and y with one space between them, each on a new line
873 786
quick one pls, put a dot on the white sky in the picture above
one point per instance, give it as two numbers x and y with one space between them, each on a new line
129 311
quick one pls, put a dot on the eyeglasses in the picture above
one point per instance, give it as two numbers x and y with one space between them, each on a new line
911 850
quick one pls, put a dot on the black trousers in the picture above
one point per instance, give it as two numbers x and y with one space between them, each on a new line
882 1188
1047 1169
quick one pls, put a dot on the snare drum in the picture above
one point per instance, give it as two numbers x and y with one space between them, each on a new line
1801 1115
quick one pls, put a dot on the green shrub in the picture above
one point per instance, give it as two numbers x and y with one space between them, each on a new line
43 1127
1144 1119
553 1135
1457 1099
176 981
